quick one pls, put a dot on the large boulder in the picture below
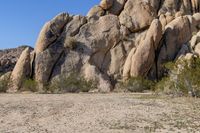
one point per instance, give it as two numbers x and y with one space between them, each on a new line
177 33
95 11
21 71
137 15
127 65
100 37
165 19
51 31
71 61
45 62
106 4
143 58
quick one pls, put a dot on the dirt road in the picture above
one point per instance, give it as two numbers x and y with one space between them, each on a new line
97 113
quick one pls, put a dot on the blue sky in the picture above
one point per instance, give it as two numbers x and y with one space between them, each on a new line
22 20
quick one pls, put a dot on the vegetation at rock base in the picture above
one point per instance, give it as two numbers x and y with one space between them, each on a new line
29 85
183 79
71 83
137 84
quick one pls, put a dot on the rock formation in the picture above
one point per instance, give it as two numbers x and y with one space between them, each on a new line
9 57
21 70
118 39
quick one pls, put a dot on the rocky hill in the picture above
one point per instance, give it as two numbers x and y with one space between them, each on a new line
118 39
9 57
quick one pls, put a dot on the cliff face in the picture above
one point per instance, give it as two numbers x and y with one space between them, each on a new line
118 39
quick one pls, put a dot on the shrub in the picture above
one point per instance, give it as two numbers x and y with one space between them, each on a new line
138 84
4 81
70 42
167 86
29 85
72 83
188 79
183 79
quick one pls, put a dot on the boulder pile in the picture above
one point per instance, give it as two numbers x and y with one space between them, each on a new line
118 39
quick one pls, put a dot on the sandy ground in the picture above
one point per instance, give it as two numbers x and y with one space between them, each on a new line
97 113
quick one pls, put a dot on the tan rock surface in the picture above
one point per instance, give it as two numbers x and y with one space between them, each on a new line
21 71
106 4
95 11
137 15
143 59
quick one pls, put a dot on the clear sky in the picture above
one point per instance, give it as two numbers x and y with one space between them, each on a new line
22 20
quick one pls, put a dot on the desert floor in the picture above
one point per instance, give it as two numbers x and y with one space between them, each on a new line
97 113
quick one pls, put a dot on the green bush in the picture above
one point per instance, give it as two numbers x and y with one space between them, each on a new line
188 79
167 86
29 85
70 42
138 84
183 79
73 83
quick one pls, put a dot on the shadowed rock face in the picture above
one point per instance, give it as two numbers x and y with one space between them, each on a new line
51 31
118 39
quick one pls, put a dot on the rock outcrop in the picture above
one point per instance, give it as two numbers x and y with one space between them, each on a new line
21 70
118 39
144 57
51 31
137 15
9 57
